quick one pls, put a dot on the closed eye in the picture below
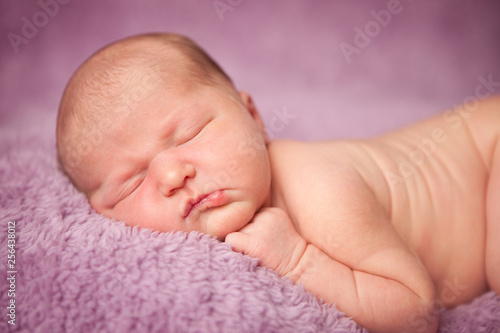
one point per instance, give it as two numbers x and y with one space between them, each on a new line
132 185
191 134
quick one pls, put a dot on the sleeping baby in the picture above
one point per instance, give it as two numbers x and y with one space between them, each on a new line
155 134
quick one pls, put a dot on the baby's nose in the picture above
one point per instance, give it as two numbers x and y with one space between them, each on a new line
173 175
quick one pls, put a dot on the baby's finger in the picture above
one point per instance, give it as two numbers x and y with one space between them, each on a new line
238 240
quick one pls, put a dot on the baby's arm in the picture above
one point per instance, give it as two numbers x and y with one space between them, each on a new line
370 295
378 303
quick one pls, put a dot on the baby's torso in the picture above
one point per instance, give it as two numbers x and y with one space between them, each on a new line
430 180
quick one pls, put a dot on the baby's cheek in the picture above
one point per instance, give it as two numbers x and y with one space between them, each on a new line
139 210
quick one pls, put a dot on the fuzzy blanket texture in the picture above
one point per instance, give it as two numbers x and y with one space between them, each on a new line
80 272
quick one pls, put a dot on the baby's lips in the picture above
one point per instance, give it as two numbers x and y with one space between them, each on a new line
204 202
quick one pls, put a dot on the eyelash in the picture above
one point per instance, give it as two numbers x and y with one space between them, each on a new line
189 137
133 185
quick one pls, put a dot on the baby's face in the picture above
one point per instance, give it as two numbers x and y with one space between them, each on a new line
194 160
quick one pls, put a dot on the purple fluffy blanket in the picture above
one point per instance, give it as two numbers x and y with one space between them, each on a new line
76 271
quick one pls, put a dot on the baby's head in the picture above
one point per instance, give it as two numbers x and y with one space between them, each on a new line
155 134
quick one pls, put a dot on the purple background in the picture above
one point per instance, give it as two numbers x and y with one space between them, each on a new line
285 53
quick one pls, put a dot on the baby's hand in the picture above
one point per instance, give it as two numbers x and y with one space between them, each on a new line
272 238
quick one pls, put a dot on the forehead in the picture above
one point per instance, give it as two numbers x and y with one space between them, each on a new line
137 121
144 114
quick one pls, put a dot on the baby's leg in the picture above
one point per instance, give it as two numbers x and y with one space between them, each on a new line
493 223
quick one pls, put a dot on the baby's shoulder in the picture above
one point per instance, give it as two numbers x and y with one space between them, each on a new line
327 197
322 177
325 162
295 160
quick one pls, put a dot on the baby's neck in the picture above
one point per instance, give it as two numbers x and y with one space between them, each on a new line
275 196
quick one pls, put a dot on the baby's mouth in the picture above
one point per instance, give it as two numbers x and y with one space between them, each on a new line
204 202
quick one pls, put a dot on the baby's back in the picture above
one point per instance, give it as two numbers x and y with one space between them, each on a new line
430 178
437 178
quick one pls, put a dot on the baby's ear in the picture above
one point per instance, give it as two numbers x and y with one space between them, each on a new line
252 109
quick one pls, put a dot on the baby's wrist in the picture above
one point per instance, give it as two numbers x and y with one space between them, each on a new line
306 264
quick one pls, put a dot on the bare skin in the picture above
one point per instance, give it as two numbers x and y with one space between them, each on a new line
367 213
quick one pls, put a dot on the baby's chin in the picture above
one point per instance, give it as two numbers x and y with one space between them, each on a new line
229 219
